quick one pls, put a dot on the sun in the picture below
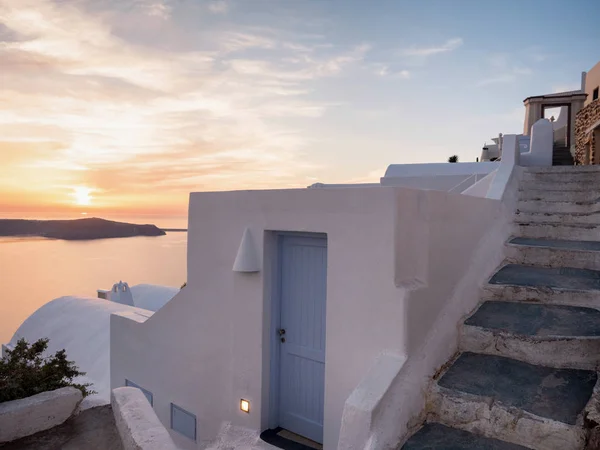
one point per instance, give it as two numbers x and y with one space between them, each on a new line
82 195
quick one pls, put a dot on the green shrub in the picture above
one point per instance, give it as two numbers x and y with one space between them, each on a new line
24 371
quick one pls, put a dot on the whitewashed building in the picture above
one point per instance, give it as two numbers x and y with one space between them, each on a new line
81 326
304 307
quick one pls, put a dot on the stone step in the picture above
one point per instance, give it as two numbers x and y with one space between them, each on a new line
562 160
568 231
541 294
582 196
554 253
435 436
551 335
571 170
502 398
565 278
559 177
592 218
558 206
566 184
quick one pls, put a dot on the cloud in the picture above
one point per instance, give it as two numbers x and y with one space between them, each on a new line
506 78
384 70
567 87
218 7
302 68
236 41
504 70
448 46
143 125
158 9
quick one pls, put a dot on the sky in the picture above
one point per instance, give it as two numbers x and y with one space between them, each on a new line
129 105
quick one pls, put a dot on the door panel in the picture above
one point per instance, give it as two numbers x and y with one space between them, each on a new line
303 288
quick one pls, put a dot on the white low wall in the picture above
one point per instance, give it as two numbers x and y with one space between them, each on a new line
437 176
381 421
27 416
137 423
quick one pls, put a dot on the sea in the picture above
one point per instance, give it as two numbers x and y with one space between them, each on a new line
34 271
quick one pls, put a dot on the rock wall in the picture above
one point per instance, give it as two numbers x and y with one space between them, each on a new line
585 143
27 416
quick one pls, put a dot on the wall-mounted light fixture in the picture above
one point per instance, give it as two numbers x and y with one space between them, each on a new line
245 405
246 259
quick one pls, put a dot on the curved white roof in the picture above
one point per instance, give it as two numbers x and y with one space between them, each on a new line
152 296
82 327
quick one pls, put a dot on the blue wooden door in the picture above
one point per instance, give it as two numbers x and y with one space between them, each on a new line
303 289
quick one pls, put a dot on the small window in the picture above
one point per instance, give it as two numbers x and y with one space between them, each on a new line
183 422
148 394
595 94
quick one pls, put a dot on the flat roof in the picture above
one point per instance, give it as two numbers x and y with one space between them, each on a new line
576 93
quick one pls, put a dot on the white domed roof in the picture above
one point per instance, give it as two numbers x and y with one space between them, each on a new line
82 327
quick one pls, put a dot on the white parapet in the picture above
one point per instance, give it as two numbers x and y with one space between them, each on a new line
542 145
27 416
137 423
358 428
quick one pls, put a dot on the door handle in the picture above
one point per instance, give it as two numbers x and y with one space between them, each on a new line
281 331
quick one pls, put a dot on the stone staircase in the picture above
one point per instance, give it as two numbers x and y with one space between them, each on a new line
525 374
561 156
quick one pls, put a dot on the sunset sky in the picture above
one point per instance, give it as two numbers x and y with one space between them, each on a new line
128 105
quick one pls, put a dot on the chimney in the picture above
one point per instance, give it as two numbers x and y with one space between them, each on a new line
120 293
583 77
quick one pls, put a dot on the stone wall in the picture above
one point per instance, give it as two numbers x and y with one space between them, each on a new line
27 416
137 423
585 142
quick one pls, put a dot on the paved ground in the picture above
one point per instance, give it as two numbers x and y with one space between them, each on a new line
534 319
552 277
434 436
557 394
93 429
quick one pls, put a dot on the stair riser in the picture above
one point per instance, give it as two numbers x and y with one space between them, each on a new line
559 178
558 195
483 416
550 231
559 352
564 185
561 170
590 219
544 295
552 257
557 207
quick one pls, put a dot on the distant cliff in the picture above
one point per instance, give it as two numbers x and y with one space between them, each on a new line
78 229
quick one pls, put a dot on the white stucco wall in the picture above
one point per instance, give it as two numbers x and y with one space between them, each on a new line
542 145
393 254
152 296
399 410
592 81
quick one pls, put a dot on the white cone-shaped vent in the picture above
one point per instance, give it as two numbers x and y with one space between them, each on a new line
246 259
